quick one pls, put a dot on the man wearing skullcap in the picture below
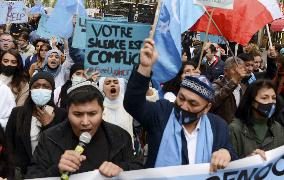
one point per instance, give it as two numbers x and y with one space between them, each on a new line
182 132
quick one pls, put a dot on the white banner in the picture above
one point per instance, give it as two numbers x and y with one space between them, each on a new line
248 168
224 4
13 12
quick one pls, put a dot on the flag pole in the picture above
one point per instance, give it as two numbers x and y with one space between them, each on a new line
236 49
157 14
205 41
218 29
269 36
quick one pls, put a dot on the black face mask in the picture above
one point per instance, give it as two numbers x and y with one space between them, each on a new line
8 70
266 110
186 117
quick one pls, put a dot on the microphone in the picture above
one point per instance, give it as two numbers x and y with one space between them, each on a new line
84 139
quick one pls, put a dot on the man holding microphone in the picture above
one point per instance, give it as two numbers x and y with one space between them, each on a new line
109 148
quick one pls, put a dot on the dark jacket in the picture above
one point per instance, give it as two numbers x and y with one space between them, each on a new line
20 144
29 61
55 141
244 140
154 118
213 71
224 103
270 72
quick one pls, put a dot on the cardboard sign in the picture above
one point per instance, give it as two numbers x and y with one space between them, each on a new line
212 38
114 48
79 37
13 12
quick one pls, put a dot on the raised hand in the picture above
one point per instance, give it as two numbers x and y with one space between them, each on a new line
272 53
148 57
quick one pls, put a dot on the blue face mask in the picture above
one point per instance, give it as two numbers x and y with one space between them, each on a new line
204 60
266 110
41 96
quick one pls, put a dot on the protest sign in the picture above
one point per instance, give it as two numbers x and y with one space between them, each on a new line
13 12
114 48
3 12
248 168
79 37
116 19
224 4
212 38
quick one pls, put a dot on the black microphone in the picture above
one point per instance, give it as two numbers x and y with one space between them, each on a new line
84 139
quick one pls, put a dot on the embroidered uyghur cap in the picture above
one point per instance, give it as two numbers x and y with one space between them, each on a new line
85 83
200 85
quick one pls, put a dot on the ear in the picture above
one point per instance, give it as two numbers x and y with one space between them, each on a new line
207 109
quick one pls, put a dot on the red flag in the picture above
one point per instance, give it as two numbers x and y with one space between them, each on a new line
242 22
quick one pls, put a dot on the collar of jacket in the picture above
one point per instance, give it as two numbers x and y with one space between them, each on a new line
64 135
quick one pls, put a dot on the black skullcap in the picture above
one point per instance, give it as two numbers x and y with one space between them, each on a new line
43 75
75 67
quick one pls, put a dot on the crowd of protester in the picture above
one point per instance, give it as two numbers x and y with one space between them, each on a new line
219 110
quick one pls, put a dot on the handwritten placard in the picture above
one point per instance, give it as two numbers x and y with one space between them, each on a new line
114 48
13 12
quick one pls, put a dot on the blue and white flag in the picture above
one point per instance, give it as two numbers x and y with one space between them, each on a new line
76 7
60 21
176 16
37 9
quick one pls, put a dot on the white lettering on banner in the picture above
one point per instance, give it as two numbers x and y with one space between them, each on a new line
225 4
248 168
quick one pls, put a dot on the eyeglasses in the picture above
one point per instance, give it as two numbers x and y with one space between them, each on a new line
44 50
6 40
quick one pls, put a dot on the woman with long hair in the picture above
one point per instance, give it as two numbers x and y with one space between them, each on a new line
255 129
27 122
34 58
44 48
13 75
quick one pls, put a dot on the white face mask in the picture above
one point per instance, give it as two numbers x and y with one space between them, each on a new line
77 79
41 96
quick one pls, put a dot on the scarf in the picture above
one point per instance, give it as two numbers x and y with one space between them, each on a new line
45 68
251 79
170 150
53 72
114 111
